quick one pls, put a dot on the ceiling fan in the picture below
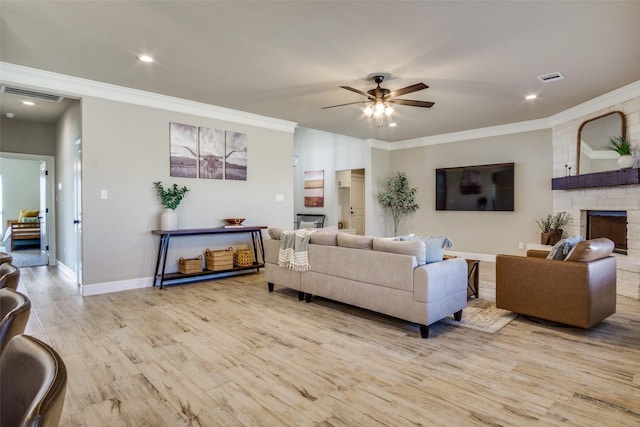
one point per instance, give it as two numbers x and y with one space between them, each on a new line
379 99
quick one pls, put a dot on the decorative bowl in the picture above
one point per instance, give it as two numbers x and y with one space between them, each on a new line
234 221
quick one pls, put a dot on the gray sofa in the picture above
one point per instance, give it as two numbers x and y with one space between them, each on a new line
379 274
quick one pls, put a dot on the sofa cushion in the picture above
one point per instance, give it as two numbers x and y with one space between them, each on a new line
591 250
322 237
560 250
275 233
414 248
434 246
357 242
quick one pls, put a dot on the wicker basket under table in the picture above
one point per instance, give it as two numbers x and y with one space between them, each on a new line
243 258
190 265
219 260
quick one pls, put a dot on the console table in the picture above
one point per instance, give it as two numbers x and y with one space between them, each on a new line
165 238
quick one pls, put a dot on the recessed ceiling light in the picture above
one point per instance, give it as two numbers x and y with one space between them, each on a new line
532 96
10 115
28 103
392 125
145 58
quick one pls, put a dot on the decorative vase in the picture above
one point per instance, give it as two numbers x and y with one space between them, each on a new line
552 237
626 162
168 220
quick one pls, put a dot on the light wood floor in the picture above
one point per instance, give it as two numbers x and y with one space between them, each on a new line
227 353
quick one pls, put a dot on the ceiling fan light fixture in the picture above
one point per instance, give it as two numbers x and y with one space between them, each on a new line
379 108
368 111
388 111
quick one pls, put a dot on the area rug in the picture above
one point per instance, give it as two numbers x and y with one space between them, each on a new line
26 257
482 314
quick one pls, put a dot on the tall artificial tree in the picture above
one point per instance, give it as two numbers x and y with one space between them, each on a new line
398 197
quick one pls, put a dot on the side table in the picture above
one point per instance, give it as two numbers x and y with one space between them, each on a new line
473 278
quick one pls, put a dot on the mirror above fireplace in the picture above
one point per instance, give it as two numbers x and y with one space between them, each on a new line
593 139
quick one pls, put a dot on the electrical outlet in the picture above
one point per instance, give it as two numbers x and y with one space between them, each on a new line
521 245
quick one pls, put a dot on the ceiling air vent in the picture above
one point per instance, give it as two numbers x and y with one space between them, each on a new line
31 94
551 77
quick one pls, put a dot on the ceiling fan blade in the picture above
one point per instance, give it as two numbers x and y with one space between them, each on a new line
412 103
359 92
348 103
405 90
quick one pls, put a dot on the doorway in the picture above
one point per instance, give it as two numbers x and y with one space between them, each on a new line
351 200
27 185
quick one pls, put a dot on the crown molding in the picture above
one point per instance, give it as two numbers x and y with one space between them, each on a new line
594 105
75 87
591 106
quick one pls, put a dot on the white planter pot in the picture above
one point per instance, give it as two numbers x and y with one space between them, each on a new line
168 220
626 162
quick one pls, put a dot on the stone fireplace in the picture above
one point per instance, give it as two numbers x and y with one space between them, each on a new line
606 204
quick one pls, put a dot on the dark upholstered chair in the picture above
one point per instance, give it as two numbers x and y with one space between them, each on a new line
33 383
578 291
9 276
15 309
5 257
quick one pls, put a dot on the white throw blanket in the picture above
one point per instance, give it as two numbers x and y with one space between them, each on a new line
293 252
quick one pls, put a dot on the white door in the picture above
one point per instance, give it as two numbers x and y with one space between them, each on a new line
77 195
357 203
44 210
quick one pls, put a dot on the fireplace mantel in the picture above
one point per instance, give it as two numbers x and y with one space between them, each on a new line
598 179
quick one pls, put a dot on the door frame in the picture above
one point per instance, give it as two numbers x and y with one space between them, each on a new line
51 219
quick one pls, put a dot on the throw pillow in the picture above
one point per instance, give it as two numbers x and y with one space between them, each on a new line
414 248
591 250
434 246
307 224
560 250
27 213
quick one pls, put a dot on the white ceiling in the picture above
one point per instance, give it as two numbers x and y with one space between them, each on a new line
287 59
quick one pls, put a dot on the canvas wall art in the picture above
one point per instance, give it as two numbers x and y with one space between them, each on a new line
184 147
202 152
236 156
314 189
211 156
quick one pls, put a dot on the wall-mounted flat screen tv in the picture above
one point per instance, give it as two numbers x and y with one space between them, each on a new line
475 188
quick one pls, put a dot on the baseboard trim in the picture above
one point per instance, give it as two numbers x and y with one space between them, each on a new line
117 286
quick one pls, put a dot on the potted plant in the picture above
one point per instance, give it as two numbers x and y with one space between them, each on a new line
170 199
552 227
622 146
398 197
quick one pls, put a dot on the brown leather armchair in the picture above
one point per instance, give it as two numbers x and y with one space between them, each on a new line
9 276
14 314
33 383
5 257
578 291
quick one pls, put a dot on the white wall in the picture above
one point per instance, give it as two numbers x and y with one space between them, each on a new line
20 187
67 130
318 150
482 232
126 149
19 136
